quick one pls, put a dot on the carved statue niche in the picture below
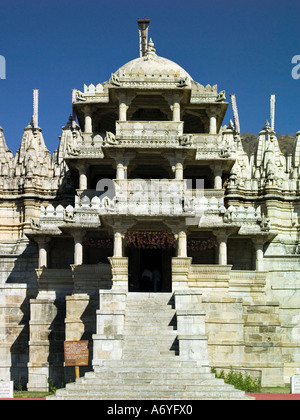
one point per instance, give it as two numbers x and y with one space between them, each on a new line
186 140
111 138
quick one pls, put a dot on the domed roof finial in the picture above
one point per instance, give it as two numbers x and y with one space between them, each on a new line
151 51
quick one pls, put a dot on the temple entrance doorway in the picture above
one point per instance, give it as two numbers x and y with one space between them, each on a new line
150 270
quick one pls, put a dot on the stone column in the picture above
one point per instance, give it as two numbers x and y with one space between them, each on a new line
179 171
122 110
118 244
176 110
217 170
124 102
181 263
174 102
119 263
259 254
88 124
78 235
182 244
222 241
122 159
43 242
83 180
176 160
213 124
121 171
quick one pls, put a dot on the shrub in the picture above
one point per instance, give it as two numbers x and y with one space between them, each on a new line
238 380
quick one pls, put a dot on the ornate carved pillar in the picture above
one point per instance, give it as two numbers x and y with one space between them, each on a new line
118 244
123 111
179 171
182 244
174 102
259 253
43 242
259 256
88 123
217 170
78 234
176 160
212 114
176 110
83 178
122 158
121 171
222 237
180 264
124 102
213 124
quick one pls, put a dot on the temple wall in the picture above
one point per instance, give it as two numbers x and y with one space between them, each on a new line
252 318
18 285
283 284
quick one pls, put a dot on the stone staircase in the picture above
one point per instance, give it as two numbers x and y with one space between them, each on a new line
151 367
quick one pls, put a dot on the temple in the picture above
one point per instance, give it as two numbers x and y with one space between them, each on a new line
147 178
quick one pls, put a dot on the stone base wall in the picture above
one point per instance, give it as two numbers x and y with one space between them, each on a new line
252 318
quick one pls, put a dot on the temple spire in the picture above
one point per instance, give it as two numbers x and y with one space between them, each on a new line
235 114
74 93
272 111
35 118
3 145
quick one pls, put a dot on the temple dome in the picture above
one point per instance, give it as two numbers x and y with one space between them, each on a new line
153 67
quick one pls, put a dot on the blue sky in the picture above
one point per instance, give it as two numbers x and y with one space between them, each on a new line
244 46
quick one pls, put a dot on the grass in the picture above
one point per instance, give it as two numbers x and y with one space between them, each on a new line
276 390
27 394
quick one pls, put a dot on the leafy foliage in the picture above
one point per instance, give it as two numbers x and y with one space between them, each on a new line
238 380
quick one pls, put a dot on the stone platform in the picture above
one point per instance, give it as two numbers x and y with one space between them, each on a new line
155 363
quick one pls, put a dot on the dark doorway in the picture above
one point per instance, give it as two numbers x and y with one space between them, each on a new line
155 261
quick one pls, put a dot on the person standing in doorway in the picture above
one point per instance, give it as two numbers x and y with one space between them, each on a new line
156 279
146 279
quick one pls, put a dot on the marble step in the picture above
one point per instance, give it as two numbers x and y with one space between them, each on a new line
159 394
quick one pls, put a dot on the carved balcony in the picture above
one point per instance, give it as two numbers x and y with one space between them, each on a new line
149 133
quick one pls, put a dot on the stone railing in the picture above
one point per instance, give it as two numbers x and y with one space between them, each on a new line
213 146
148 205
207 141
145 133
177 203
243 214
88 209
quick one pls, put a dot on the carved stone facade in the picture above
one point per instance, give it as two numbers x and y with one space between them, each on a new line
65 220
